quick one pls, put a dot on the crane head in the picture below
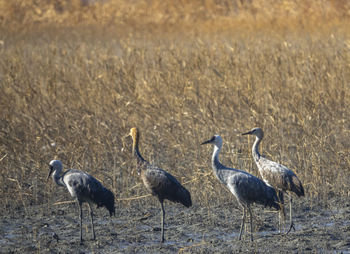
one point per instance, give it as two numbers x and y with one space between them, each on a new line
258 132
216 140
133 132
53 166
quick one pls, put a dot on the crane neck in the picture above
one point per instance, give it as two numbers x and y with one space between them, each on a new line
136 151
255 149
216 164
57 177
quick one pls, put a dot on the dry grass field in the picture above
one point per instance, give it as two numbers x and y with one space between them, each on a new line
73 93
76 77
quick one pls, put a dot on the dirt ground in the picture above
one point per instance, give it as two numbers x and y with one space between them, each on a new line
55 229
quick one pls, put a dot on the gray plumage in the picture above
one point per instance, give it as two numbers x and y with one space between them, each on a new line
245 187
84 188
274 174
159 182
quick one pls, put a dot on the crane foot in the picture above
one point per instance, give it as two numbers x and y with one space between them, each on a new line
291 227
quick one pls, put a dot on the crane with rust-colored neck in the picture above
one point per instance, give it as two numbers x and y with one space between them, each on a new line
159 182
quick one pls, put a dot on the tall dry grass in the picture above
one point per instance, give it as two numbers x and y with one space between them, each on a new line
74 93
189 14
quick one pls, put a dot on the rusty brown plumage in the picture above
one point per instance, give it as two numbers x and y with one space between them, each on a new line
159 182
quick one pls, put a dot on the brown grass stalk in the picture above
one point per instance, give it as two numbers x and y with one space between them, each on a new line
71 91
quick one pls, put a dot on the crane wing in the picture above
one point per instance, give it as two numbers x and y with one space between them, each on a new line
165 186
248 189
280 176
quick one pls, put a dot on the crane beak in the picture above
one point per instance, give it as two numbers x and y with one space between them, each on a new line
126 135
209 141
247 133
206 142
130 135
50 172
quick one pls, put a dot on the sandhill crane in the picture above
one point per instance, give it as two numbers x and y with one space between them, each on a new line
159 182
274 174
245 187
84 188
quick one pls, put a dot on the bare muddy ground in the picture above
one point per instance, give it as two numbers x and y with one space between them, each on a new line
55 229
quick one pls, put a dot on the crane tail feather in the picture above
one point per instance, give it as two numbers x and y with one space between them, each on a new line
184 197
104 198
297 187
272 199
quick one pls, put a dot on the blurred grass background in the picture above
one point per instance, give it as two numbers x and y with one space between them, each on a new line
75 76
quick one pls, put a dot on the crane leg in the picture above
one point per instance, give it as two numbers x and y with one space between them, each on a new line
281 219
92 222
245 224
282 213
162 222
81 221
242 224
290 215
251 223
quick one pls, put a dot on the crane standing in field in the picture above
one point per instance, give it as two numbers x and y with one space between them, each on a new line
245 187
276 175
159 182
84 188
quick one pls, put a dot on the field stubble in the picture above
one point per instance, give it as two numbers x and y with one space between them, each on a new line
73 96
